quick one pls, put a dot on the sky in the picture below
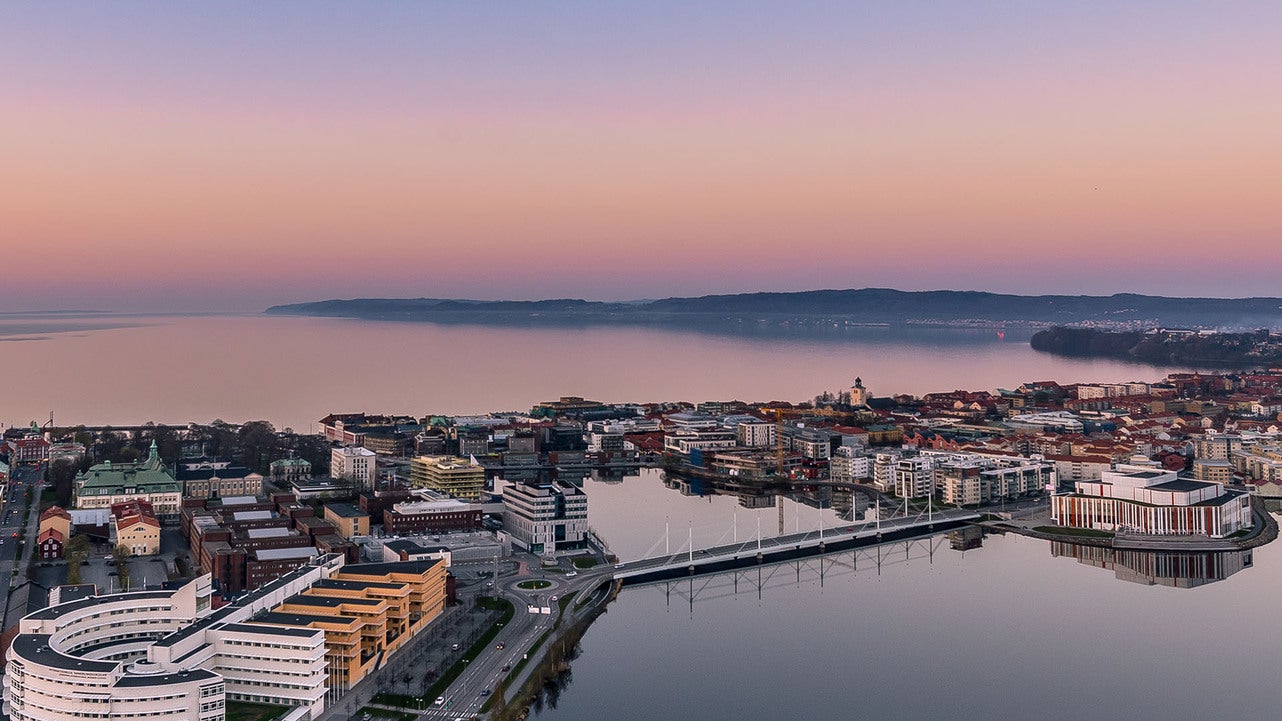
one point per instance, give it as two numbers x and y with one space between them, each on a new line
224 156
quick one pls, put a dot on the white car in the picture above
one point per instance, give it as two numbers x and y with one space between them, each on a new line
571 574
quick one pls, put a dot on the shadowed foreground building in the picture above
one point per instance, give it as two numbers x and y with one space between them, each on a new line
168 654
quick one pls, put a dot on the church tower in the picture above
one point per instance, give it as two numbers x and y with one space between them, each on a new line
859 395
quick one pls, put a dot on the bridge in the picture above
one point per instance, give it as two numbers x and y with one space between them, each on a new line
757 551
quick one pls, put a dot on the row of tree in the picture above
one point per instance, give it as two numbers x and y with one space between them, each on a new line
254 444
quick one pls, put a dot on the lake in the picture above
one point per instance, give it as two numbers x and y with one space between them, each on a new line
292 371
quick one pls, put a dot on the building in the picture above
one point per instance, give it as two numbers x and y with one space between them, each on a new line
1149 501
814 444
134 526
244 542
366 611
914 477
350 520
1217 446
1212 470
406 550
206 478
158 654
58 519
353 464
431 516
1071 469
686 440
1016 478
453 476
567 405
288 470
107 484
849 463
545 519
959 482
755 433
169 654
50 543
32 448
66 452
859 396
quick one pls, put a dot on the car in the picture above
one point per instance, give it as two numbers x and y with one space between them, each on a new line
571 574
454 647
555 598
440 700
15 534
486 692
501 646
506 667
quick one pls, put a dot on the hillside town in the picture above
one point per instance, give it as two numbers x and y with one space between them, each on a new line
345 545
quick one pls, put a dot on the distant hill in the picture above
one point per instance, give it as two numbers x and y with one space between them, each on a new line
1232 350
867 305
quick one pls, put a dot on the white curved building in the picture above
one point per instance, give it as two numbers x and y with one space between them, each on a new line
166 655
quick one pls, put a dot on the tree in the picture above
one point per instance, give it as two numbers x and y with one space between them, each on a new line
75 552
123 554
61 476
258 445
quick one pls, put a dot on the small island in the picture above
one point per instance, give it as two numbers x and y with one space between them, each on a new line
1165 346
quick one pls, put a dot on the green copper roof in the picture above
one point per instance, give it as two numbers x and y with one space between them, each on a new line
149 476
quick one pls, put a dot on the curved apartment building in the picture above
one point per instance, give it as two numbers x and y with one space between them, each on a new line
297 641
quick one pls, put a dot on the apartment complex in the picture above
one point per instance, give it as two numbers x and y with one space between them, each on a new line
454 476
168 654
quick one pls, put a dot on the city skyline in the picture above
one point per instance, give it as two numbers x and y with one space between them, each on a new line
171 158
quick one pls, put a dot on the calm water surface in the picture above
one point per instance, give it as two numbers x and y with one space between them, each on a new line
292 371
1004 631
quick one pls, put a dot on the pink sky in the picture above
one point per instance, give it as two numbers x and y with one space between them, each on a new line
1033 153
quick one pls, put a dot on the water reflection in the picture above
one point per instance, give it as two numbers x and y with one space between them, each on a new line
1154 568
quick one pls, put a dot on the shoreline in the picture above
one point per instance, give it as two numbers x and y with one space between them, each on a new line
1263 532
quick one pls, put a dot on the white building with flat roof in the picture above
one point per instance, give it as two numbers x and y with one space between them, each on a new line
355 464
165 655
1134 499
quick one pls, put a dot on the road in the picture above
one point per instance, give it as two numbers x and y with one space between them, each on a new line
23 479
464 698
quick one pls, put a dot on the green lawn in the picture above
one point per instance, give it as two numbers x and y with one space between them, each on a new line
239 711
585 562
534 584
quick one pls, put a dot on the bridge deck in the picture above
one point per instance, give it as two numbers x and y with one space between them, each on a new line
793 545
